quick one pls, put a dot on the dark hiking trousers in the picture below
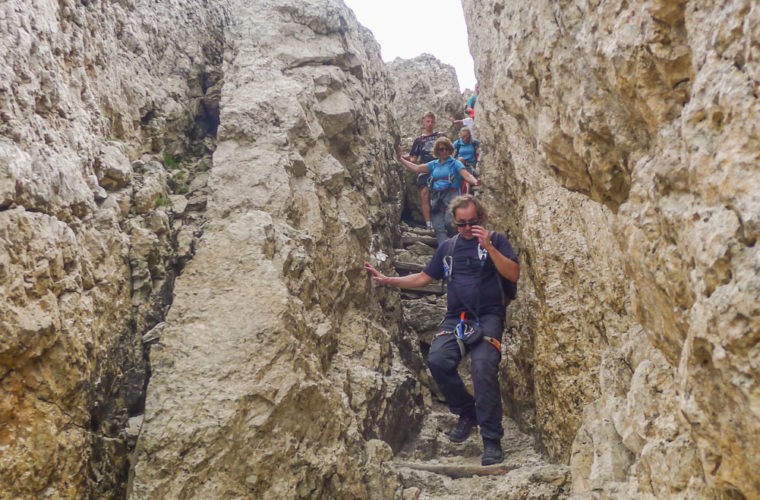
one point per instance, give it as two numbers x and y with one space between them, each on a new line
443 359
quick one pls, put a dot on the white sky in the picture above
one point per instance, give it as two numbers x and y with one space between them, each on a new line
407 28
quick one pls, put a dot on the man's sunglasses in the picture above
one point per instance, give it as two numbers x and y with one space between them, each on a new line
467 223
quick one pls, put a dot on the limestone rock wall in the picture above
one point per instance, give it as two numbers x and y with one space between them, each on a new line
425 84
278 373
96 98
624 159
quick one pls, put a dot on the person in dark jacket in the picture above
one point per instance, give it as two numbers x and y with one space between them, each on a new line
478 262
422 152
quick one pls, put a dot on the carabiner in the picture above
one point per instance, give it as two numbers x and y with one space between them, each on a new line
460 326
482 253
448 267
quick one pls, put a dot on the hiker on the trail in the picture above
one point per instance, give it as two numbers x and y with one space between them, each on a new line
466 152
481 270
469 107
466 121
422 152
466 149
445 181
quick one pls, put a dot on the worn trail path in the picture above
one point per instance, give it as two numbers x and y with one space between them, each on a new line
432 467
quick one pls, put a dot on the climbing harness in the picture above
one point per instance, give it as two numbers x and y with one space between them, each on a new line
462 346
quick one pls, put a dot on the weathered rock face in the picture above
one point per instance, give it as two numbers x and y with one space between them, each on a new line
423 84
626 169
621 157
109 118
278 364
93 96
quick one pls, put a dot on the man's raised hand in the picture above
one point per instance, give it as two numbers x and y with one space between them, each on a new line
481 233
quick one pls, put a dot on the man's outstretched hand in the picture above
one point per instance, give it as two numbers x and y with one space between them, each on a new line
376 275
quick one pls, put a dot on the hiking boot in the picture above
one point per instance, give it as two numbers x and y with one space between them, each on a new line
461 432
491 452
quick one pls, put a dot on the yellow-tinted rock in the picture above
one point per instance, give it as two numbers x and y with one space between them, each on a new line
626 171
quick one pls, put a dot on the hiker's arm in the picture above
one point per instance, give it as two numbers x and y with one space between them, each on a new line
469 177
506 266
460 122
420 169
410 281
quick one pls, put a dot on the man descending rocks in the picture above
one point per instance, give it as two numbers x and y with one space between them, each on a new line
445 182
481 270
422 152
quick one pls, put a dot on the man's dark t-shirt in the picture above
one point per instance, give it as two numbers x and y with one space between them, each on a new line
467 271
422 147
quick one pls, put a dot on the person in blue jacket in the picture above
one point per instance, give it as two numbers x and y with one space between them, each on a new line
466 149
445 182
469 107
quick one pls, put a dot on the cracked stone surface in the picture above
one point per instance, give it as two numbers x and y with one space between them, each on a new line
627 171
189 189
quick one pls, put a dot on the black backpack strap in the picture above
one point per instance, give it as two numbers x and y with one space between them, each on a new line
499 277
509 295
448 262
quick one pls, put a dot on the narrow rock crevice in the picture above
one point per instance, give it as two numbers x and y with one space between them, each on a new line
188 190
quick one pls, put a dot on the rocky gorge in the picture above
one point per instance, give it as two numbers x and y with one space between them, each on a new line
188 191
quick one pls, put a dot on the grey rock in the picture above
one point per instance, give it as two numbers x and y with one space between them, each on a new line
113 168
275 335
618 171
178 204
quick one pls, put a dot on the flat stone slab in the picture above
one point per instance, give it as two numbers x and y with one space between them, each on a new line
431 288
411 238
458 471
417 230
408 266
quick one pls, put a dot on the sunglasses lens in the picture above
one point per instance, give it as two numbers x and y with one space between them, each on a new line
467 223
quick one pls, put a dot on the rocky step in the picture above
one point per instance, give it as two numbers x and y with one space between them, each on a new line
433 467
411 267
433 442
433 288
408 239
541 481
457 470
422 230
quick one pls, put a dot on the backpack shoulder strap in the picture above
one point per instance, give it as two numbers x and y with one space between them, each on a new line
448 265
450 250
507 288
